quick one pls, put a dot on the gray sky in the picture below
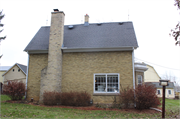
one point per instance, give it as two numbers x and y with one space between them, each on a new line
152 19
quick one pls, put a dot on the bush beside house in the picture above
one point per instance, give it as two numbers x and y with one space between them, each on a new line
14 89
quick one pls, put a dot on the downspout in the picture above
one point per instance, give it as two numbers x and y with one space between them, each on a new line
27 75
133 74
133 68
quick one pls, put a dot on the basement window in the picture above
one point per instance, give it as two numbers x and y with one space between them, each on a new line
106 83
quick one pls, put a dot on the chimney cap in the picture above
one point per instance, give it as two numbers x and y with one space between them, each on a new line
56 10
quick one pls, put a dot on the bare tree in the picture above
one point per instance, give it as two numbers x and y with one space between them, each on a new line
176 31
1 25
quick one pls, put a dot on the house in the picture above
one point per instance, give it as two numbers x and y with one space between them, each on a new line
151 75
16 72
177 90
3 69
97 58
169 92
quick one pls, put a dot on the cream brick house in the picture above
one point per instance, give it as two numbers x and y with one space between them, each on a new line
97 58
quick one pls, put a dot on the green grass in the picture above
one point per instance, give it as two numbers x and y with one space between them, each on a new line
14 110
172 107
4 98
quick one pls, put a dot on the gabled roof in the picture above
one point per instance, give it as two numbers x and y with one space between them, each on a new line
171 84
22 67
4 68
105 35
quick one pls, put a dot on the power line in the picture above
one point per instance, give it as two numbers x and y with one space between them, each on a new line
158 65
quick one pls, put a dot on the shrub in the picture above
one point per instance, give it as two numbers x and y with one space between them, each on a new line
75 98
126 97
145 96
14 89
51 98
66 98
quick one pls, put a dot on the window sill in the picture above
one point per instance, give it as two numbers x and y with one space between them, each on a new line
105 94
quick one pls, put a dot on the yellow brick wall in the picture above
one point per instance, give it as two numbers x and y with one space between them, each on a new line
36 63
79 68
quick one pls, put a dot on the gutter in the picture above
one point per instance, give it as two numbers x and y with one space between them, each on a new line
27 76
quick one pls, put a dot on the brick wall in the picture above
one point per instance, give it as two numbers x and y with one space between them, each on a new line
36 63
78 72
79 68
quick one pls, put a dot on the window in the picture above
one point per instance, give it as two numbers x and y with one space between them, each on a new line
169 92
106 83
18 70
139 79
158 92
13 70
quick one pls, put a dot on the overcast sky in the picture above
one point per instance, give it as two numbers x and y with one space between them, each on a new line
152 20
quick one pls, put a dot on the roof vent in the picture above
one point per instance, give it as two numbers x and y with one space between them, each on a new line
70 27
56 10
99 24
120 23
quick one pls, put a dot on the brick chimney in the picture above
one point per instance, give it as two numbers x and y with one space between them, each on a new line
86 20
54 69
51 75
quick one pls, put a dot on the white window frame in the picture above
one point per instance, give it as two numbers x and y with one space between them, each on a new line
138 80
159 92
106 82
168 92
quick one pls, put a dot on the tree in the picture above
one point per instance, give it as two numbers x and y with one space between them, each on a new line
1 25
169 76
176 31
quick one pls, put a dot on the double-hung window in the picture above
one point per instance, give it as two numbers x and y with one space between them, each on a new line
106 83
169 92
158 92
139 80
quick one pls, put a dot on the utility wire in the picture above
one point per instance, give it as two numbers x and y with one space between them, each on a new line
157 64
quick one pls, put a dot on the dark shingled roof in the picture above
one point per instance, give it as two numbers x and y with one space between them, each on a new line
106 35
23 67
171 84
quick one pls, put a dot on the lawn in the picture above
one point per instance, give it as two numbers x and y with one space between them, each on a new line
14 110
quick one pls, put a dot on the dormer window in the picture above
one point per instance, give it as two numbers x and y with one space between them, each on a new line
18 70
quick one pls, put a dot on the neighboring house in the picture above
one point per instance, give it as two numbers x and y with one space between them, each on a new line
16 72
3 69
177 90
169 92
151 75
97 58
